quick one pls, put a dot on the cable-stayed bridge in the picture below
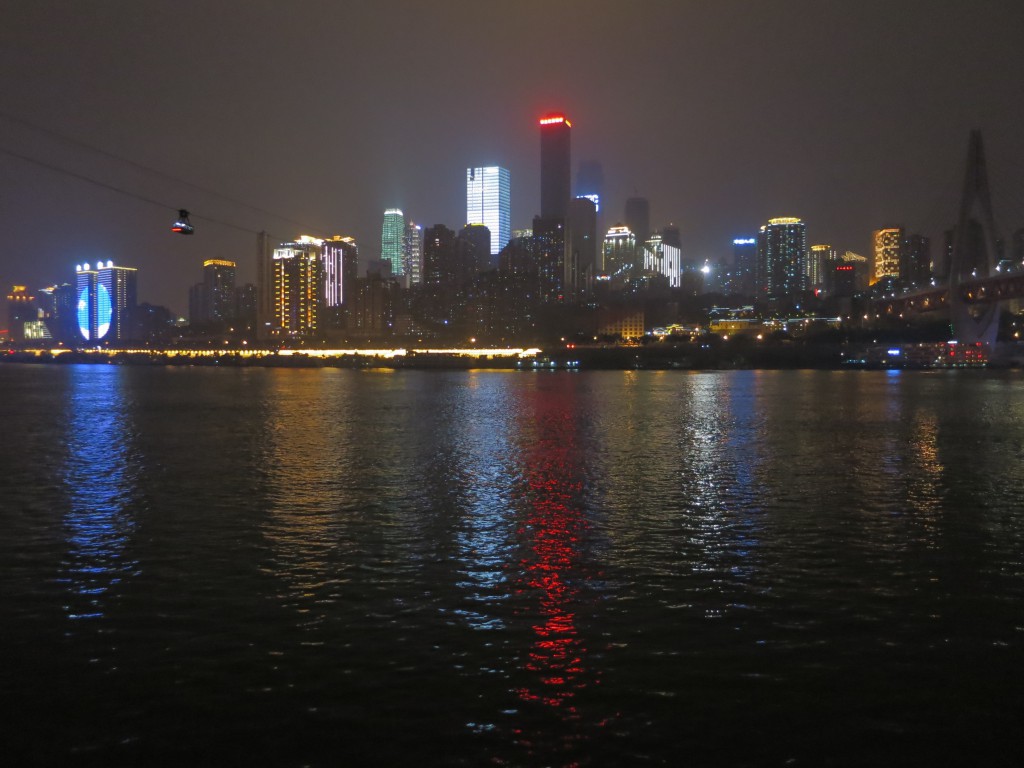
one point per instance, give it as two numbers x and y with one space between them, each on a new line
975 286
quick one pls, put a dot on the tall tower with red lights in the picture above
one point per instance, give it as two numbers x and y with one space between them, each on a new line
555 166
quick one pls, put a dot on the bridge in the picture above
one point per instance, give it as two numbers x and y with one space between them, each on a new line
975 286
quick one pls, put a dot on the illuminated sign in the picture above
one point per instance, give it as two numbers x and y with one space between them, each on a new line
783 220
744 241
555 120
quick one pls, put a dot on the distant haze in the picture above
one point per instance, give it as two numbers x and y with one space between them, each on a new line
850 115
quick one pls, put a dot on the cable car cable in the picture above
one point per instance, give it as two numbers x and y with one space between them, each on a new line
147 169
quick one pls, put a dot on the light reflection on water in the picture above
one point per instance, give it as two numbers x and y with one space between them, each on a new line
521 569
100 475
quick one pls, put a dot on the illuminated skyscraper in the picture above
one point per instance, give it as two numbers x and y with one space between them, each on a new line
887 244
296 294
219 289
555 166
488 202
106 299
782 258
412 252
338 271
819 266
392 240
618 252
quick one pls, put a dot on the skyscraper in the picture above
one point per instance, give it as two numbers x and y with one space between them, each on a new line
887 243
473 247
439 256
638 218
106 298
296 294
581 245
555 166
782 258
338 270
488 196
819 266
392 240
264 284
219 285
744 265
618 251
412 252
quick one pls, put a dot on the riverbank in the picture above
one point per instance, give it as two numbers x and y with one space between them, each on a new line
709 355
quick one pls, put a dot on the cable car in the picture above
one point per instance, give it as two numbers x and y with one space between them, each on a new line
183 226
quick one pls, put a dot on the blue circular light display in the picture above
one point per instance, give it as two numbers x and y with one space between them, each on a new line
104 311
83 313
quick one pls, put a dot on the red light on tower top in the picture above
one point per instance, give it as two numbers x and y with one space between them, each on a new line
554 119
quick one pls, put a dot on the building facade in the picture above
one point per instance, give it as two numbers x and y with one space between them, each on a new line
296 287
886 246
555 166
107 296
392 241
488 202
782 258
412 252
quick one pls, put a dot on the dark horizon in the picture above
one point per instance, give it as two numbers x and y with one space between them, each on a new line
851 116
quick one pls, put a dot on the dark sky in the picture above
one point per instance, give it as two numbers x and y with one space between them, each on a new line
851 115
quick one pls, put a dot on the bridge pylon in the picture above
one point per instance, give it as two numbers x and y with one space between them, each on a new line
974 251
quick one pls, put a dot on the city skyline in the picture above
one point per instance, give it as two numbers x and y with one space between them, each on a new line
720 159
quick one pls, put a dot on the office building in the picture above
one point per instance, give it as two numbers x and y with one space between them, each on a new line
488 202
555 166
886 243
392 241
782 258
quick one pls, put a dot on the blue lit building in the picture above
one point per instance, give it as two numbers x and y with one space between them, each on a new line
488 202
106 297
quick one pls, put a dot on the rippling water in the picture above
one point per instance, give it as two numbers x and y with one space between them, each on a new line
331 567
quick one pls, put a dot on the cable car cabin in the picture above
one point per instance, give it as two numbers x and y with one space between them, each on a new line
183 226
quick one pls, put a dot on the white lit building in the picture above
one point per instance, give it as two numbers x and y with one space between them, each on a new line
488 202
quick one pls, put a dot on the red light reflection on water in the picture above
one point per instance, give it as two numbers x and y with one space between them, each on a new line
551 570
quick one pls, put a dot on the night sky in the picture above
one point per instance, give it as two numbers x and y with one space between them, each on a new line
851 115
